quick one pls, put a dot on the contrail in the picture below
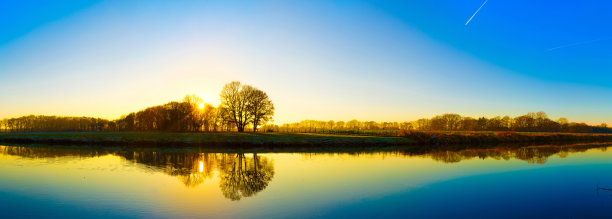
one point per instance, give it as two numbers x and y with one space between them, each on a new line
466 23
578 43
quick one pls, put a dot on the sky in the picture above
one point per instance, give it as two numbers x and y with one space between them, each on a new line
323 60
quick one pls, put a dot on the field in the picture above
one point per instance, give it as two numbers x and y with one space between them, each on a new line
233 139
198 139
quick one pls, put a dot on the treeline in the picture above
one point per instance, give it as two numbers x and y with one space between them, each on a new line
34 123
530 122
241 106
175 116
244 106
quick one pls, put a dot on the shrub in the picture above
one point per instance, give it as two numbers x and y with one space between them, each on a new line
421 137
505 133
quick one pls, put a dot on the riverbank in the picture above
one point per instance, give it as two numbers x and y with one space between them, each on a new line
245 140
493 138
223 139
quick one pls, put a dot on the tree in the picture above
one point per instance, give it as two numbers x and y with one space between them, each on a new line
126 122
563 122
208 117
339 125
353 124
234 99
195 117
330 124
246 104
4 124
468 124
438 123
244 177
406 126
193 99
451 121
422 125
260 107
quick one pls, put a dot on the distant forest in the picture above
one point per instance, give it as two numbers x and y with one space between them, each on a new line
241 106
246 107
530 122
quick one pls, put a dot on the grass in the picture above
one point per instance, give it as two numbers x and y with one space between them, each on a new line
199 139
233 139
450 138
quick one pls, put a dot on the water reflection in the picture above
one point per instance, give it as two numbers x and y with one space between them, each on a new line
537 155
243 175
531 154
240 175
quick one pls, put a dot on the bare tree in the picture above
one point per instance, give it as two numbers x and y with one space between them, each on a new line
245 104
260 107
451 121
195 117
234 99
208 115
4 124
193 99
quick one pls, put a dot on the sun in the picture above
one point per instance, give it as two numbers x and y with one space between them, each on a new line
201 106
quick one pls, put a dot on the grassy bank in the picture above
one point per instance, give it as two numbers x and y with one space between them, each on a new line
477 138
232 139
172 139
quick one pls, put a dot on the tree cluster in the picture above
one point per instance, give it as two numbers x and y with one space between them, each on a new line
240 175
530 122
245 104
34 123
173 116
241 106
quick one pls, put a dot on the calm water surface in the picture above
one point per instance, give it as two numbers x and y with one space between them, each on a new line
530 182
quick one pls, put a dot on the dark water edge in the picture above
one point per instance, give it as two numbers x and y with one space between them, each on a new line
299 142
354 149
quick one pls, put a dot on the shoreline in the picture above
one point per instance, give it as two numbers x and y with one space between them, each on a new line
305 141
413 150
213 140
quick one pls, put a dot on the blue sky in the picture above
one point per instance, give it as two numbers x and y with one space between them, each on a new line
326 60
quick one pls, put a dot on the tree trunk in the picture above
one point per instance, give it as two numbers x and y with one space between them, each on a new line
255 122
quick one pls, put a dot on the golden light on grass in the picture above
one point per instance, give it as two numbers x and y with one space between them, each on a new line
201 164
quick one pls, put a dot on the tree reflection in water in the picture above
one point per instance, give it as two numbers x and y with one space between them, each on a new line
537 155
244 175
240 175
531 154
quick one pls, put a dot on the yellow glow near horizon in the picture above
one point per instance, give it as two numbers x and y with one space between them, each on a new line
201 167
201 106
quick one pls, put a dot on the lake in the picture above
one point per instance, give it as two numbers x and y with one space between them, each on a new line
527 182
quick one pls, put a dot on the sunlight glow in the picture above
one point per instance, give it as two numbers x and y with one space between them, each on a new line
201 106
201 164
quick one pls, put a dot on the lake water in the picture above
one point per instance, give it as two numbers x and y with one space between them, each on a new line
530 182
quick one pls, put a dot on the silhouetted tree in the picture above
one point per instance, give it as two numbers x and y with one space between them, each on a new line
260 107
235 100
245 104
244 177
